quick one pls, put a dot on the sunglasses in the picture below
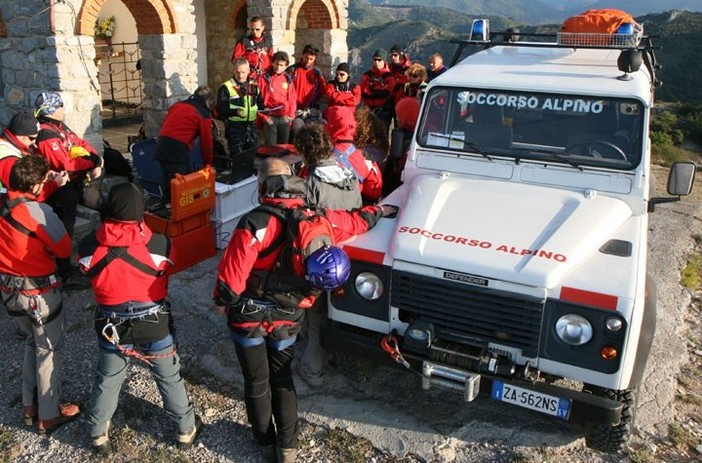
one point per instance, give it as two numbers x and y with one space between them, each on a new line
377 59
414 76
32 139
341 74
394 55
257 29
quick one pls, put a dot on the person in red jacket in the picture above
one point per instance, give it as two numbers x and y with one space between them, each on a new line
256 48
31 238
128 266
341 125
377 86
309 85
341 90
185 122
16 141
65 151
279 100
266 358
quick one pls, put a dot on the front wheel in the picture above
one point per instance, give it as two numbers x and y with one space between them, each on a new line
612 438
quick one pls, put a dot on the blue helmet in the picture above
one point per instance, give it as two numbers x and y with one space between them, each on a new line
328 268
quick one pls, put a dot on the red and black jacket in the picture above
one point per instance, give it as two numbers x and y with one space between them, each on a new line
377 86
343 93
184 122
258 230
277 91
6 163
309 85
31 237
120 280
54 142
257 51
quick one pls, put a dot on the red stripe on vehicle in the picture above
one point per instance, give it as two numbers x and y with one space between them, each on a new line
366 255
580 296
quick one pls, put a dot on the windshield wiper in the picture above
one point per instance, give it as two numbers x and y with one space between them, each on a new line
560 157
466 144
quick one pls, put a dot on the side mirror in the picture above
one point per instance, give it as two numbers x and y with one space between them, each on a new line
680 181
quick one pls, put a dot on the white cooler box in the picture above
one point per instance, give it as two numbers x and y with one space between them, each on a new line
231 202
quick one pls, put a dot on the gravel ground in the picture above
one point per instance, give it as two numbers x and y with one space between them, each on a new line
363 412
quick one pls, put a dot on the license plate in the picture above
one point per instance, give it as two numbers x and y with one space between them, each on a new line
544 403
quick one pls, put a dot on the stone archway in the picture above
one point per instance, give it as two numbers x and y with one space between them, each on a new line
321 23
152 16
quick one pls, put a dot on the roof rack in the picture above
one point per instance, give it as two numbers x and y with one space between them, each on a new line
481 36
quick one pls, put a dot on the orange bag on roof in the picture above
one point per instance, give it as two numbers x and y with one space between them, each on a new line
605 21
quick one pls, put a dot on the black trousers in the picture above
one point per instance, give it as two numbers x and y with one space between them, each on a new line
241 136
169 170
64 202
269 394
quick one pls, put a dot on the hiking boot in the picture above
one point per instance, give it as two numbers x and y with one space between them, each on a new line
67 413
101 443
268 453
185 441
30 414
287 455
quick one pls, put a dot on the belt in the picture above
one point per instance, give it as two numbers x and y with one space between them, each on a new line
21 283
251 306
132 310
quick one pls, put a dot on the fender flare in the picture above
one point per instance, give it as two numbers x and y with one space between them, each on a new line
648 329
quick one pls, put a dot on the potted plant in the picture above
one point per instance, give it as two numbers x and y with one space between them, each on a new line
105 28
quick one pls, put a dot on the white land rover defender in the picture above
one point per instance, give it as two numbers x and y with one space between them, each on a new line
519 253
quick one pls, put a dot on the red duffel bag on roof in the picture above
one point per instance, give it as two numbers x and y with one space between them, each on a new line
605 21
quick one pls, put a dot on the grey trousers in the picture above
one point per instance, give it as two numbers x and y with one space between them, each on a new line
41 370
314 355
112 370
276 133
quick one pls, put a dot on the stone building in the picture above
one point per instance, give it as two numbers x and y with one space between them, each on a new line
49 45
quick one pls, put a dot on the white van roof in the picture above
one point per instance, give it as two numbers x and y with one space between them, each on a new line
548 69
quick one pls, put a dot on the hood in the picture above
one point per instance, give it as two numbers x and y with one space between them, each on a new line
341 123
521 233
113 233
332 173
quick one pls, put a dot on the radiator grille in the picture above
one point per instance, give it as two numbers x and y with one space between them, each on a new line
469 314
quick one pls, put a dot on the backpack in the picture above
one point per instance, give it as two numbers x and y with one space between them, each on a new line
306 230
115 163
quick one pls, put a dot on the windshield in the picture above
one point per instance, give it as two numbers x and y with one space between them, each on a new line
567 129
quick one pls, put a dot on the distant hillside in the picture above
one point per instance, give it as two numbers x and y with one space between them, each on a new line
546 11
423 31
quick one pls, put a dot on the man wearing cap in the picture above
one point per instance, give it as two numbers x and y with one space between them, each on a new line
377 86
15 142
128 266
309 85
341 90
65 151
30 291
256 48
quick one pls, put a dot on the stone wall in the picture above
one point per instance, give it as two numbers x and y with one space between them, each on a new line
51 48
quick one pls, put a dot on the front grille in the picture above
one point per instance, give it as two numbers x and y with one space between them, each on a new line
469 314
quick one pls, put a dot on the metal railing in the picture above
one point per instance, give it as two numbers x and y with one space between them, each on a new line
121 88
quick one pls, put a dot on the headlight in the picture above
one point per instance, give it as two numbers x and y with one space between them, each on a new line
574 329
369 286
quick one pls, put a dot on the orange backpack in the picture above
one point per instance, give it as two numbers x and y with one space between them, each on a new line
605 21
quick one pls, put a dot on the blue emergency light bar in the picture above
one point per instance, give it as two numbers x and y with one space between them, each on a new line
480 30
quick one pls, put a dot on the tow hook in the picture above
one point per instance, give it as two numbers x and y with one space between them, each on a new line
390 345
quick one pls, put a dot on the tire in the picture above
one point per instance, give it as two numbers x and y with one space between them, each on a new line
612 438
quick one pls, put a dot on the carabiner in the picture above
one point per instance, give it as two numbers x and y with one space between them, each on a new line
390 345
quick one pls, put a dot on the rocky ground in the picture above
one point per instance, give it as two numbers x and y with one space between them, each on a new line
364 412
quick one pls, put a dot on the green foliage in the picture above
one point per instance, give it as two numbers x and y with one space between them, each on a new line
693 126
666 155
690 275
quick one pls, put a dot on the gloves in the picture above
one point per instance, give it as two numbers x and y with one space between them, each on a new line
389 210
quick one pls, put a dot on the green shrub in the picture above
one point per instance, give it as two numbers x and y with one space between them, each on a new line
667 154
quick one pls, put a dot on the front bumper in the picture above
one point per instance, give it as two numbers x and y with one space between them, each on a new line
586 408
